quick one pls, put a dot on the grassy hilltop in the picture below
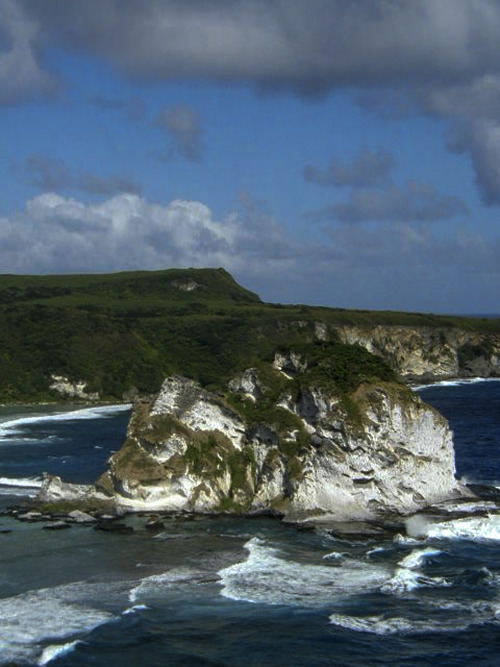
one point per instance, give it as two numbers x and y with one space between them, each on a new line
118 331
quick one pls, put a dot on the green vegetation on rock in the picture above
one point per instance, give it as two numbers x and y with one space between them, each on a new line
128 331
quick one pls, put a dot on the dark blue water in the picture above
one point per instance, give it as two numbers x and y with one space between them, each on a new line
74 443
473 411
230 592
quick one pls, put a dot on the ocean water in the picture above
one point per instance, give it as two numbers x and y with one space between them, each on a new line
229 592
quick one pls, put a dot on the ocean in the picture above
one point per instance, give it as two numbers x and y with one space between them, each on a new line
223 591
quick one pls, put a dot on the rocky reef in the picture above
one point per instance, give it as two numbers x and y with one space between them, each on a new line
277 441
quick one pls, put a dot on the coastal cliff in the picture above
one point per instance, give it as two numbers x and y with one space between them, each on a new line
277 440
114 337
429 354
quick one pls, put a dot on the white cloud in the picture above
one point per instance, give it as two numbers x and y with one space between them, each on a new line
61 234
394 266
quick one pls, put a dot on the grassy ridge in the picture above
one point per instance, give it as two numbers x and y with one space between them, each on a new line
125 330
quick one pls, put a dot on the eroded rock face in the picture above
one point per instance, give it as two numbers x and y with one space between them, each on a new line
428 353
69 389
311 454
247 383
54 489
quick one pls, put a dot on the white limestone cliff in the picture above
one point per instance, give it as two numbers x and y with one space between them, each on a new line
72 389
426 352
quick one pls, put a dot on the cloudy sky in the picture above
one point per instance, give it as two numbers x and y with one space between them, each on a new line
323 151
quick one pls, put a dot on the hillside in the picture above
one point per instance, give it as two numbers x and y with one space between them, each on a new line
128 331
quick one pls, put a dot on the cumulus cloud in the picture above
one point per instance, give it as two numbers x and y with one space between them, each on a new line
48 173
182 124
62 234
350 266
370 168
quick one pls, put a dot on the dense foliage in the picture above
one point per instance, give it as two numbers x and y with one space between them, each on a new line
126 330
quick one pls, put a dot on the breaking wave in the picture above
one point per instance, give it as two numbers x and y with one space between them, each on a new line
53 651
14 426
267 578
382 625
407 576
454 383
471 528
30 618
24 486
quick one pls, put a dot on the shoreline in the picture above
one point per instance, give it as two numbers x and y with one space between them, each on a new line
107 515
413 383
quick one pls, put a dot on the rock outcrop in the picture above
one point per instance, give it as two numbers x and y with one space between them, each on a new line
72 389
277 443
425 353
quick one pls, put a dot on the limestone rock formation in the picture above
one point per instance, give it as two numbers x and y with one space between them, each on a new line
424 353
276 443
69 389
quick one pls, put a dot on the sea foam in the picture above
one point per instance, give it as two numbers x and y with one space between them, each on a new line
21 486
14 426
454 383
30 619
470 528
53 651
266 577
382 625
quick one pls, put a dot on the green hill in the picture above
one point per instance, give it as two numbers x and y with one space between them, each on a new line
124 330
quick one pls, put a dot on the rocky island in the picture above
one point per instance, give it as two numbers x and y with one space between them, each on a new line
310 455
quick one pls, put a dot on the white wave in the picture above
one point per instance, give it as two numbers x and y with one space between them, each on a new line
405 539
454 383
25 482
56 650
26 487
13 426
154 586
407 577
134 608
381 625
472 528
405 580
17 492
418 557
335 555
28 619
474 506
375 550
267 578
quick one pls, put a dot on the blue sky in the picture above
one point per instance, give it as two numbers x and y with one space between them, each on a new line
342 154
